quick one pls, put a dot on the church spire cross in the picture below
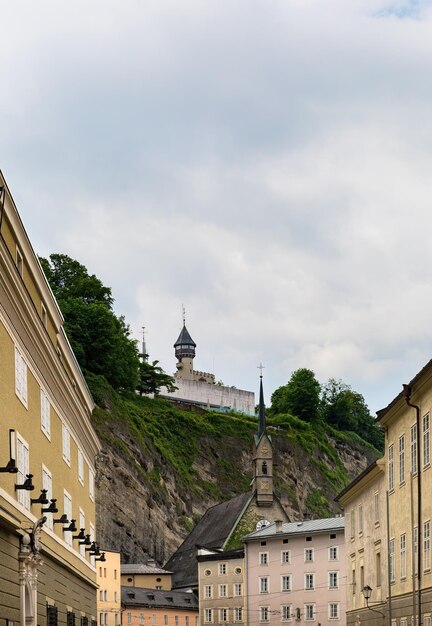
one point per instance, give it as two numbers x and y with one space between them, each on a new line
260 368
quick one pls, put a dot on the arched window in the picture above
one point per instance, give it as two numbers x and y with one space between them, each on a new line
264 468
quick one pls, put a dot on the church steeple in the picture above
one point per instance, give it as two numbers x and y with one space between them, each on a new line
261 414
263 457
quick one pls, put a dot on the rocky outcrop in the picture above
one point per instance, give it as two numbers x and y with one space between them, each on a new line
145 509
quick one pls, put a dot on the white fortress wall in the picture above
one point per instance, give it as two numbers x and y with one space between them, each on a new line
213 395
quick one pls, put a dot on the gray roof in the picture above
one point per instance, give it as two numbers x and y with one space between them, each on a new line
212 531
184 337
296 528
157 598
140 568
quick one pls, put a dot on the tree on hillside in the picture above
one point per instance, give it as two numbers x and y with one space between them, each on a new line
152 377
101 340
299 397
346 409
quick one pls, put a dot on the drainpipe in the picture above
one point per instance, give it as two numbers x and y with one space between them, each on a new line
407 392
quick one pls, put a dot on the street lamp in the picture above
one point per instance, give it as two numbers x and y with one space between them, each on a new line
367 592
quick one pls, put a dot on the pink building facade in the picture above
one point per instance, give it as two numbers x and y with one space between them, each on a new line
296 573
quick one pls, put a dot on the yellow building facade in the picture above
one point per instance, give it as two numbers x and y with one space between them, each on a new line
394 552
47 448
109 592
147 576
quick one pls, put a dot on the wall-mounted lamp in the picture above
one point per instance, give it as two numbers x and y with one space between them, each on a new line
367 592
11 467
102 557
61 520
86 541
52 507
42 498
93 547
71 528
27 484
80 535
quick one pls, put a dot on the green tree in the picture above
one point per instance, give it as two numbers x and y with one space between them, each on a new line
346 409
101 341
152 377
299 397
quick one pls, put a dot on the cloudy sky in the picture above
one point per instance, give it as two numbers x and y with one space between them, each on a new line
266 162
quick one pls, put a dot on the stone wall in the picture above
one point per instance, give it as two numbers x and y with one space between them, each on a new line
213 396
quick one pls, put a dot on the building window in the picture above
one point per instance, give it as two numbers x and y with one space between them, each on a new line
222 569
333 580
264 613
237 589
238 614
176 620
333 553
285 612
52 615
263 558
208 591
222 591
426 546
101 618
392 560
115 594
264 585
377 508
353 581
80 466
208 615
426 440
91 484
286 582
391 467
401 459
67 510
20 377
129 617
333 612
362 583
378 568
165 619
308 555
223 615
66 444
414 460
309 610
187 620
153 619
45 414
309 582
403 555
101 595
23 463
352 518
360 519
141 619
285 556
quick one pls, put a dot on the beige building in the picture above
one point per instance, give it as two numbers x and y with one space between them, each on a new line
109 592
364 502
47 448
405 474
147 576
157 607
221 587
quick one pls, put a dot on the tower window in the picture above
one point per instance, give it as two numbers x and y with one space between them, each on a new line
264 468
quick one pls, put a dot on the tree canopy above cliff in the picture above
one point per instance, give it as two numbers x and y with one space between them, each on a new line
334 403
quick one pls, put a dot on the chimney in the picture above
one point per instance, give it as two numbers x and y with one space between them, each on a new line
278 525
151 563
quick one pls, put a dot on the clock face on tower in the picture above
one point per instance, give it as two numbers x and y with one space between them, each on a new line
262 524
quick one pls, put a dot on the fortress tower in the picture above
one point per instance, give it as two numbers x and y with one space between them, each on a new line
185 353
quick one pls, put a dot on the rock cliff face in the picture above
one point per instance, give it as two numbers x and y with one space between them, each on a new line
145 508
